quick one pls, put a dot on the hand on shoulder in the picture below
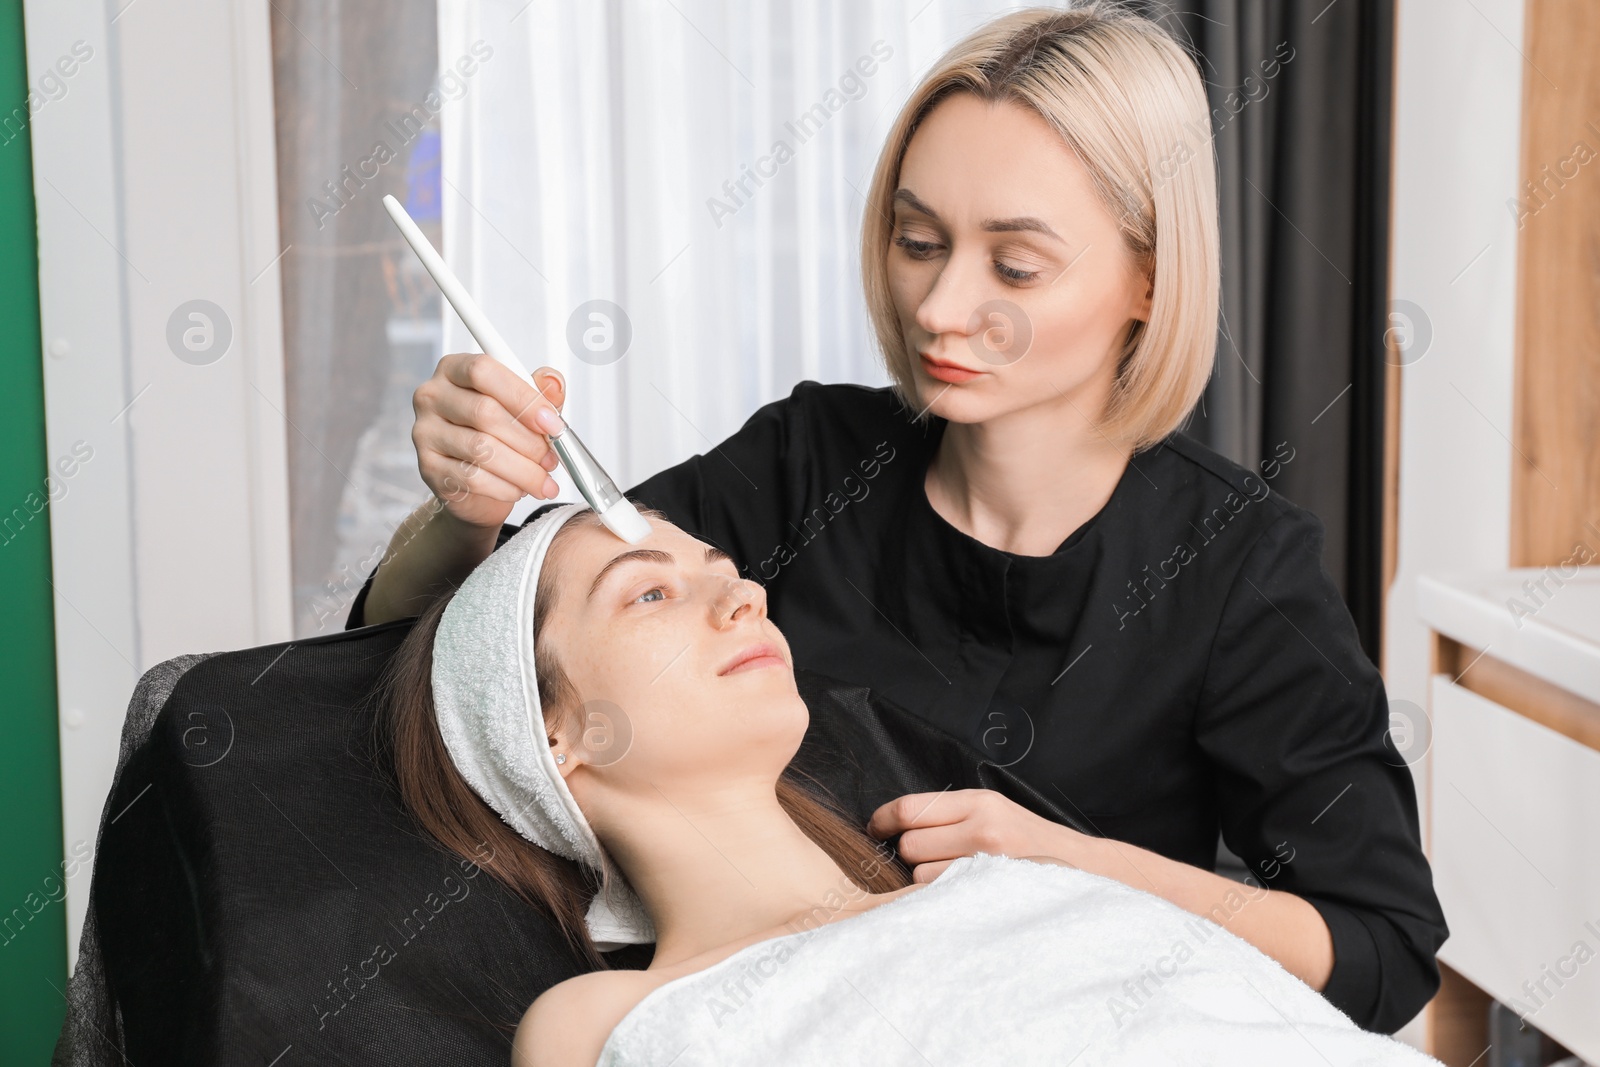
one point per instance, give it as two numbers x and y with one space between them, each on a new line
569 1023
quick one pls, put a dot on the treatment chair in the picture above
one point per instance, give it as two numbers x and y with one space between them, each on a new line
261 897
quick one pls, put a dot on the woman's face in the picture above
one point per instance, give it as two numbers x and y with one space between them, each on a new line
656 638
1004 263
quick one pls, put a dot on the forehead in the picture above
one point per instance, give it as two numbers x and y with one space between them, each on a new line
583 557
591 546
974 156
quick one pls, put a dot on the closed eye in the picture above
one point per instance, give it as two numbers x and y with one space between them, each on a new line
917 249
925 250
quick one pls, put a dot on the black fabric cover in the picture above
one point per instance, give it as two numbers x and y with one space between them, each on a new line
261 897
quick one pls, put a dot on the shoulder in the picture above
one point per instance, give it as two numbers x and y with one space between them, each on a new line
856 431
1206 490
569 1023
1212 470
850 397
848 410
822 433
820 423
866 409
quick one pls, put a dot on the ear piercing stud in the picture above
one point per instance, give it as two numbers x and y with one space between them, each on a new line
561 757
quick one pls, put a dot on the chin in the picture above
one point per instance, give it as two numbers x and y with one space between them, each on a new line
782 719
763 696
1000 397
954 403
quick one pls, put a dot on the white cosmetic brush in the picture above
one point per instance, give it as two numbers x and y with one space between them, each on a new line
591 479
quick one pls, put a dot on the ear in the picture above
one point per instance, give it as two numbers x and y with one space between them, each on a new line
560 746
1141 308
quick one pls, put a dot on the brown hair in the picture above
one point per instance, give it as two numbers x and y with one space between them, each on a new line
1129 101
450 812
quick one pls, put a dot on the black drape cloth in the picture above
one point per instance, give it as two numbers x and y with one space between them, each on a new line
1300 109
261 896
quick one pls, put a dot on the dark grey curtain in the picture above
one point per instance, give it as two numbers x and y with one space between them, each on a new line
1300 95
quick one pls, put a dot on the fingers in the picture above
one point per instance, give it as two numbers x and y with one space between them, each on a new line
552 385
453 481
921 809
927 872
520 404
930 844
476 411
461 460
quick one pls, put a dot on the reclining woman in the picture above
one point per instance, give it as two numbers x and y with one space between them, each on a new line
632 712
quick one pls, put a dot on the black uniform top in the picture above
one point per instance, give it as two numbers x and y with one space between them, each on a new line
1182 663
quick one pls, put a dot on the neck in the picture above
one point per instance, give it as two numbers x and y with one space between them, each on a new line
1023 481
717 865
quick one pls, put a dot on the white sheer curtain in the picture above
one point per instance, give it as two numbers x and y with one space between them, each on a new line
599 154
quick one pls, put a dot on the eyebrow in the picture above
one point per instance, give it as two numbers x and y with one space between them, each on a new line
650 555
1011 225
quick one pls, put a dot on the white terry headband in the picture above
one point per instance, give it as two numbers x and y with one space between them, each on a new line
486 695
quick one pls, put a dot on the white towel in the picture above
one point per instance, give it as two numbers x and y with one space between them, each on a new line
1001 961
486 698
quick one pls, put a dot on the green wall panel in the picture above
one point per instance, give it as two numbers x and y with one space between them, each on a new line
33 914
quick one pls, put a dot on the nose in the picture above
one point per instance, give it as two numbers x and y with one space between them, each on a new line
956 293
738 597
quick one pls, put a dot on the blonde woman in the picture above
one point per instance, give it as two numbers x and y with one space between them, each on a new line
1017 541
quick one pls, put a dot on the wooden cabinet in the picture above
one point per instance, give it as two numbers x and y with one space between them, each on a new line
1513 798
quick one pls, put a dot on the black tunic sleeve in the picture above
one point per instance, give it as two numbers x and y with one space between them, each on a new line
357 617
1293 718
736 496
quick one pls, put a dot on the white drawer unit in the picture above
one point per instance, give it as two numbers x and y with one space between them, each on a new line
1515 848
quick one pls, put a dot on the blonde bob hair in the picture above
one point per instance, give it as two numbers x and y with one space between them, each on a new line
1129 101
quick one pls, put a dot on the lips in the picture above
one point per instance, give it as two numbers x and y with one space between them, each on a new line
945 363
753 657
946 372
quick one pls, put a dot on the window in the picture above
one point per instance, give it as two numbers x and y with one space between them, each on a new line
357 118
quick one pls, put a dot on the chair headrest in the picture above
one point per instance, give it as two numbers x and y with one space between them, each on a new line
262 887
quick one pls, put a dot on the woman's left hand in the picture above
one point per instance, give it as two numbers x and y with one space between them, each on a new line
938 828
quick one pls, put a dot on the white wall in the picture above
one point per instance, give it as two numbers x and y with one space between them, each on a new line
1458 102
155 177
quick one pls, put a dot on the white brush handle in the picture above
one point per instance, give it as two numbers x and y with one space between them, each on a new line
618 515
471 314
